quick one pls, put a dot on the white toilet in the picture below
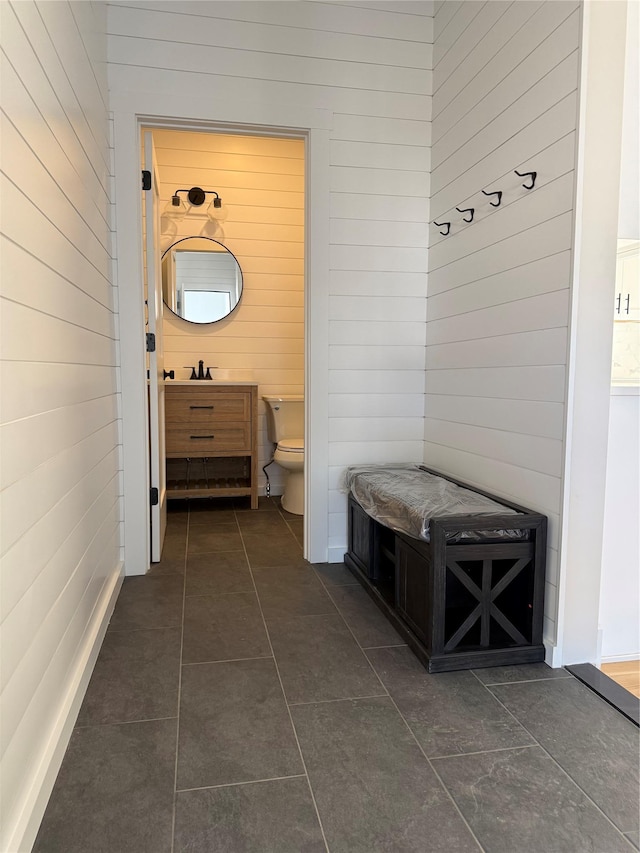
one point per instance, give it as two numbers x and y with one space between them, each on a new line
285 427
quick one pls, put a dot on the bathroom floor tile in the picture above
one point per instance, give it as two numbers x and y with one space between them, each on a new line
262 523
234 725
291 591
218 573
223 627
264 504
168 566
114 791
368 624
211 518
374 788
135 678
449 712
210 540
174 547
334 574
587 737
318 659
539 807
149 602
264 817
277 550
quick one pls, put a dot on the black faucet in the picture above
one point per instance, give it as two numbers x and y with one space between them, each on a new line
200 374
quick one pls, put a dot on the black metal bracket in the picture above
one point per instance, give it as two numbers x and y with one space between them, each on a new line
446 225
146 179
532 175
495 192
470 210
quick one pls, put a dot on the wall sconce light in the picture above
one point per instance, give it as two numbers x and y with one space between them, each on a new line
196 196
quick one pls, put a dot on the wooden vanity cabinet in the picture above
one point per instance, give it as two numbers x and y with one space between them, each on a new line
211 439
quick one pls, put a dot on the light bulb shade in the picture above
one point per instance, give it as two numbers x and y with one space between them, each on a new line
175 208
217 211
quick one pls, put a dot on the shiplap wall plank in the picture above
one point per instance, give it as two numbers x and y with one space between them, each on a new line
240 26
498 300
59 417
371 69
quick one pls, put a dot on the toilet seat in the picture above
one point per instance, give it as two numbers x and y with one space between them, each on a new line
291 445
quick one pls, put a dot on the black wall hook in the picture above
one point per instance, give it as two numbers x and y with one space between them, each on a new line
496 192
532 175
470 210
446 225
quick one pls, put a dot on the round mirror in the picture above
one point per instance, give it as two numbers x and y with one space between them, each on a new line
201 279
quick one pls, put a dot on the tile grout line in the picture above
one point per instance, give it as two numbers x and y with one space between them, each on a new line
175 772
284 696
522 681
125 722
239 784
226 660
555 760
483 751
342 699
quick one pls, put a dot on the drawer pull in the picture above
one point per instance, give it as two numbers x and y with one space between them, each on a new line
201 436
201 407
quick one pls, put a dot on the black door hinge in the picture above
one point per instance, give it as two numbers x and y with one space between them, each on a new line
146 179
151 342
154 496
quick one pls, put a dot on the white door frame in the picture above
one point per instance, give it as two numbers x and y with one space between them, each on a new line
132 111
589 370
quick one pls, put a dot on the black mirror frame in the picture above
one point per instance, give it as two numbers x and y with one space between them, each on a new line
211 240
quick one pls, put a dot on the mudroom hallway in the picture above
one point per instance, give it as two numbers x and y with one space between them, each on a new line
245 701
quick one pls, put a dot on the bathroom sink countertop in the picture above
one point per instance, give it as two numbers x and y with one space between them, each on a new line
209 382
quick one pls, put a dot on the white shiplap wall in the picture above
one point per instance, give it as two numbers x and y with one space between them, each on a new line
505 98
368 65
60 491
261 181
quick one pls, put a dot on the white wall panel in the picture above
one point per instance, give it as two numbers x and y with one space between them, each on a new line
549 310
505 85
241 26
548 346
59 418
528 279
378 283
531 417
378 333
414 131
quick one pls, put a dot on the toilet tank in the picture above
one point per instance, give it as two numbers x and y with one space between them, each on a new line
285 416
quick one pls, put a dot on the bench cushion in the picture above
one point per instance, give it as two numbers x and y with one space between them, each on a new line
405 497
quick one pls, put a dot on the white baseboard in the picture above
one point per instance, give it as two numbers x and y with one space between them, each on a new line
31 810
620 658
336 555
553 654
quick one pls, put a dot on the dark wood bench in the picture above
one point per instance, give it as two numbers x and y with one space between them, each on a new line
458 604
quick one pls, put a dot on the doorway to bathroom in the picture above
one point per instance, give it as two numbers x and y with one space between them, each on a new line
260 179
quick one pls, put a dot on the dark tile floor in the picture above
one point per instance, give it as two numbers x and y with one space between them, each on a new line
247 702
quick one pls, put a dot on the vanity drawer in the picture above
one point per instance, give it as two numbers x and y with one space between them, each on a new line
184 406
199 440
